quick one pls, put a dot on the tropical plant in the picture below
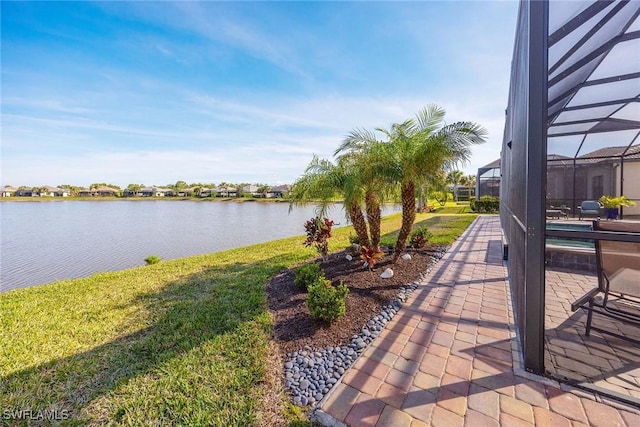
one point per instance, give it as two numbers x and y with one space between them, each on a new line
441 196
97 185
73 190
469 181
134 188
324 181
263 189
40 191
326 302
454 178
370 255
612 202
417 149
318 233
419 238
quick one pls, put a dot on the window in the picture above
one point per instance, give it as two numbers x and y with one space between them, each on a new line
597 186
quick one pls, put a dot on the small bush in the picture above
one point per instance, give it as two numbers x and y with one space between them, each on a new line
486 204
327 302
354 240
152 259
307 274
419 238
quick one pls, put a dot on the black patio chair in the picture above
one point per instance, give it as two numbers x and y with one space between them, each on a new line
618 267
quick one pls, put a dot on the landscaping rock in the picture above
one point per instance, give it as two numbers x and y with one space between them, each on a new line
312 373
387 273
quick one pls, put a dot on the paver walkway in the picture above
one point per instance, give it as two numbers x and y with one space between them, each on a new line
449 357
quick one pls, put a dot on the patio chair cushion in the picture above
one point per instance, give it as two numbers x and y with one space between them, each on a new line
590 207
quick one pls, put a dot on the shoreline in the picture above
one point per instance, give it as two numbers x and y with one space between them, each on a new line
107 199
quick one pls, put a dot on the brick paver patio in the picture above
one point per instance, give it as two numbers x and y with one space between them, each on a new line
600 359
450 358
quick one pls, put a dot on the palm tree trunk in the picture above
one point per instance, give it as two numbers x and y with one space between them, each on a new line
373 217
408 195
359 223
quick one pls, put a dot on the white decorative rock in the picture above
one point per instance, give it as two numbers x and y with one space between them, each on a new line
387 274
349 257
366 264
406 257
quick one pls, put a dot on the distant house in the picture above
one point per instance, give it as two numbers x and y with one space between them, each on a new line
605 171
49 191
278 191
24 192
251 189
226 192
153 192
128 192
187 192
207 192
146 192
163 192
100 191
106 191
8 191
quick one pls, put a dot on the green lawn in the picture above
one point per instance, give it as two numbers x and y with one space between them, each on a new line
181 342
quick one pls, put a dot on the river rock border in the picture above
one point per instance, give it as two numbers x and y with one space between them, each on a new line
310 374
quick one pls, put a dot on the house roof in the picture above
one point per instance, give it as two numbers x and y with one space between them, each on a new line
8 188
106 189
632 152
283 187
225 190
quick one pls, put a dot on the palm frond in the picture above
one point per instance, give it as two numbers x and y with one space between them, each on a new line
430 118
356 140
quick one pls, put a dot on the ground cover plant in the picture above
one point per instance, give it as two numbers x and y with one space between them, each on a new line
181 342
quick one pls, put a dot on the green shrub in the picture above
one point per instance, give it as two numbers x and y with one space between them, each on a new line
486 204
327 302
419 238
152 259
307 274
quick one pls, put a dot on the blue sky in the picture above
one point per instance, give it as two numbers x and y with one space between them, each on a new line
155 92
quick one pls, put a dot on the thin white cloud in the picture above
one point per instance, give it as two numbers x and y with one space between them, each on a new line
138 125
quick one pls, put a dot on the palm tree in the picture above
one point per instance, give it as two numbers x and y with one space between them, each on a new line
470 183
360 153
420 148
323 181
455 177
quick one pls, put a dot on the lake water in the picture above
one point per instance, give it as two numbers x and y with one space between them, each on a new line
42 242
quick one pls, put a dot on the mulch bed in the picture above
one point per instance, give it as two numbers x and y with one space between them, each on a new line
368 292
